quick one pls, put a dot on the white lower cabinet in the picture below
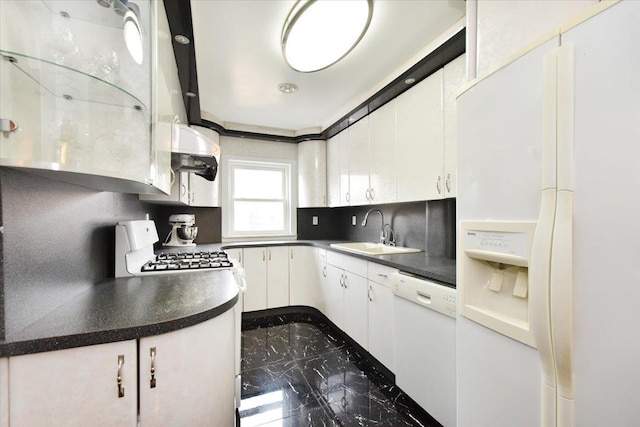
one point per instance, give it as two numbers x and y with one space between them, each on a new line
75 387
305 278
267 276
381 322
346 291
355 308
187 376
235 254
4 392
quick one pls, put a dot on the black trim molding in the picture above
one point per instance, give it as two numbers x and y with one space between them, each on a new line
179 15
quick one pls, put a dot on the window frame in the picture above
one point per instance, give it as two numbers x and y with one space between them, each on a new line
288 169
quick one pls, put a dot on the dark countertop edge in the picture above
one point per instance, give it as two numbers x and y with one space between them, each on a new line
39 345
426 272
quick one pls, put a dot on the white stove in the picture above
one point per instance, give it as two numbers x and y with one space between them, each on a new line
135 256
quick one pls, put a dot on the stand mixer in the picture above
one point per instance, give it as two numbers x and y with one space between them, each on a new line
183 230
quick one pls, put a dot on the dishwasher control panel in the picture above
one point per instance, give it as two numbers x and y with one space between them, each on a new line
428 294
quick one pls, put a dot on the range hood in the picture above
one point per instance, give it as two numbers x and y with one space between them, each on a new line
195 151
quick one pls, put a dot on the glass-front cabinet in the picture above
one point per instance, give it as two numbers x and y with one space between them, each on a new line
75 91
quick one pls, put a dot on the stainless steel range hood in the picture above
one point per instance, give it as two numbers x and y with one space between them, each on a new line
195 151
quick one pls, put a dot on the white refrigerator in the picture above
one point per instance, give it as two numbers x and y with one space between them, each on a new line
548 330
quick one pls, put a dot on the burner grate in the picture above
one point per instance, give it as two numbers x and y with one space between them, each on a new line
188 261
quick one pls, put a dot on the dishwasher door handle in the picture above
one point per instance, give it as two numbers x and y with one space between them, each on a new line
423 298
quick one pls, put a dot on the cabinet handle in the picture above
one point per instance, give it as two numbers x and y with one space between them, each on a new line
346 280
447 183
347 196
153 368
383 275
269 250
183 189
263 256
366 194
240 256
324 271
438 186
342 280
369 294
373 194
291 253
119 378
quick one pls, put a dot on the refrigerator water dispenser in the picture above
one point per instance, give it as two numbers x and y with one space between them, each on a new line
493 287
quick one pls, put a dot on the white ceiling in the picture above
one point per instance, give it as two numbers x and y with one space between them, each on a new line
240 64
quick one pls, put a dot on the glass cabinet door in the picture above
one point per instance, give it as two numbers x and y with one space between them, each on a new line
75 80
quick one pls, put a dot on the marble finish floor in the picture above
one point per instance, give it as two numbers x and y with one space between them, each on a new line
299 372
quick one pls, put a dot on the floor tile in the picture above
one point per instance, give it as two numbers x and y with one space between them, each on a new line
300 372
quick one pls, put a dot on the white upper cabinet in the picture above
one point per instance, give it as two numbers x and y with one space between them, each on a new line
420 144
358 147
80 103
338 179
312 174
345 183
166 90
333 170
383 166
454 78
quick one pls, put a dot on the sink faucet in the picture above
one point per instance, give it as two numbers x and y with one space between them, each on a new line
382 233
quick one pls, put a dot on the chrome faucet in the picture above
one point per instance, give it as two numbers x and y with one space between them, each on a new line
382 233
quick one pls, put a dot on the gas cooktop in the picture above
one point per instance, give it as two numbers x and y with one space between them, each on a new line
188 261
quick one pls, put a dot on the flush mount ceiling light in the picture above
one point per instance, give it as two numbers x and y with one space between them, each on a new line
133 36
319 33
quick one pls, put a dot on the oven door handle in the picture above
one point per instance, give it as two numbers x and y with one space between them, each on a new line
240 276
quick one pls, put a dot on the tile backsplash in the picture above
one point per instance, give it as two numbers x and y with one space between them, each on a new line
429 226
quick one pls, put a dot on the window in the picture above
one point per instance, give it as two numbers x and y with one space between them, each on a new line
258 198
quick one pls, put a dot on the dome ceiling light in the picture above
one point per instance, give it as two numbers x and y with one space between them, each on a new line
319 33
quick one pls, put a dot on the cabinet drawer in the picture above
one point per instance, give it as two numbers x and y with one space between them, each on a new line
380 273
348 263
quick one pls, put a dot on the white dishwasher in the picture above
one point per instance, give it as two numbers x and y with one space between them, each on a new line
425 344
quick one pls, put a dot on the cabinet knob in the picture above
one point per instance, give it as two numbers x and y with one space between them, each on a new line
119 377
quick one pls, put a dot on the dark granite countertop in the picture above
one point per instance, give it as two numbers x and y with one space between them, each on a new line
442 270
128 308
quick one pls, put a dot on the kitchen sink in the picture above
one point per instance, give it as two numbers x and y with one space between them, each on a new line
368 248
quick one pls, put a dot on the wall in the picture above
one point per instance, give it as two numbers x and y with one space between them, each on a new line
503 27
58 240
429 226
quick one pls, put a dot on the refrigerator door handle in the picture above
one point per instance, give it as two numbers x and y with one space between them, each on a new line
562 251
540 263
